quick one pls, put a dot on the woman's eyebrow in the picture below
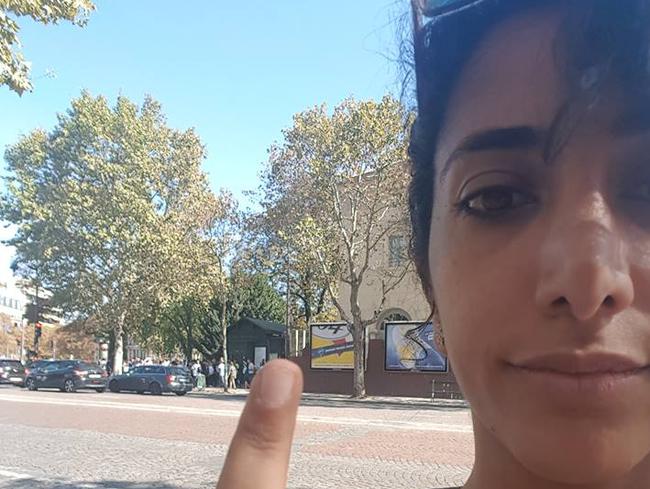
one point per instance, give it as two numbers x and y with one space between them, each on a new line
503 138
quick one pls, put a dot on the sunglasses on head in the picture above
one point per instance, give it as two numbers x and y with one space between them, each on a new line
439 8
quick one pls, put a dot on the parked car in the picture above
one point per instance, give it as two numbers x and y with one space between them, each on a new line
66 375
12 372
34 364
156 379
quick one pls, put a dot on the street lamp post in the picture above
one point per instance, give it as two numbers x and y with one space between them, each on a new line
22 339
288 314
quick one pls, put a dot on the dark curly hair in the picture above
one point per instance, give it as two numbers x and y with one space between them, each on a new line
601 40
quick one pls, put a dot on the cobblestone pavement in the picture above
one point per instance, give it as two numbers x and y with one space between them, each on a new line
53 440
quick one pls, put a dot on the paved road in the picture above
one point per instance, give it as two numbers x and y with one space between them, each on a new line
127 441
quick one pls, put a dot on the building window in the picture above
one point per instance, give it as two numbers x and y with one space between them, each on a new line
397 250
393 315
396 316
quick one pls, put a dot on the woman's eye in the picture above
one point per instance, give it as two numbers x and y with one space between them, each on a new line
495 201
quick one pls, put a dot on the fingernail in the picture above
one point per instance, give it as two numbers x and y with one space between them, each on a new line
276 386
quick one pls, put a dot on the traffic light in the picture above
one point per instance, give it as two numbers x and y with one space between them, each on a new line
31 313
36 312
38 331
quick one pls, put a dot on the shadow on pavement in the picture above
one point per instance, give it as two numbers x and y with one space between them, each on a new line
308 399
342 401
8 389
25 483
382 403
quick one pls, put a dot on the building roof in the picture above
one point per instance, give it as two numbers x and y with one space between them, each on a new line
267 326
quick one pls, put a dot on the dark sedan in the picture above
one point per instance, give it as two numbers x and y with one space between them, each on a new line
11 372
35 364
156 379
67 376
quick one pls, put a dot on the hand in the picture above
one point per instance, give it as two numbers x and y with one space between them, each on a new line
258 457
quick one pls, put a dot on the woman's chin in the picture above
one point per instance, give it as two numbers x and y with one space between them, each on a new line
582 455
581 435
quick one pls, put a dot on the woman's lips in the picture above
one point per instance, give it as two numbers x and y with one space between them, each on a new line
588 375
582 363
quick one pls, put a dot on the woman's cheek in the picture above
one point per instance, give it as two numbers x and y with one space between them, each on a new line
483 306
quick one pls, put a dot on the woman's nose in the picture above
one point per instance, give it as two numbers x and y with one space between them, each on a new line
583 269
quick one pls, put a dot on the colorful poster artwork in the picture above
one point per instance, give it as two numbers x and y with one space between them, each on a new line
411 346
332 346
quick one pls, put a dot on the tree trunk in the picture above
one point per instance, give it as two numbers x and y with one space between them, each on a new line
22 340
359 377
359 338
118 355
224 328
190 343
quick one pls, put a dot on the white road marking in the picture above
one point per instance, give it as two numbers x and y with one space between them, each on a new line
6 473
229 413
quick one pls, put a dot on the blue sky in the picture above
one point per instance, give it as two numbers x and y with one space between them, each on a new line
236 71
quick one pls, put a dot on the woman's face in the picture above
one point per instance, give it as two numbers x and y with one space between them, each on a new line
541 270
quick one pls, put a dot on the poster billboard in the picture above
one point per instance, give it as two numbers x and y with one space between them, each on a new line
332 346
411 346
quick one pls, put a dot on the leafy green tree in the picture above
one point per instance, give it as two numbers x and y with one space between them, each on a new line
252 296
335 190
14 69
112 212
293 271
244 296
210 341
192 324
177 328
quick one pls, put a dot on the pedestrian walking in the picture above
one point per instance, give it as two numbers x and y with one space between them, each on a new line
232 375
221 369
241 373
211 379
250 373
197 375
244 373
196 369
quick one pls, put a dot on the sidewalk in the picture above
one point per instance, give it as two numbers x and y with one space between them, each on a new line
342 400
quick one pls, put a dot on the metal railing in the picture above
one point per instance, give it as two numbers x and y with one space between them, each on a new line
445 390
